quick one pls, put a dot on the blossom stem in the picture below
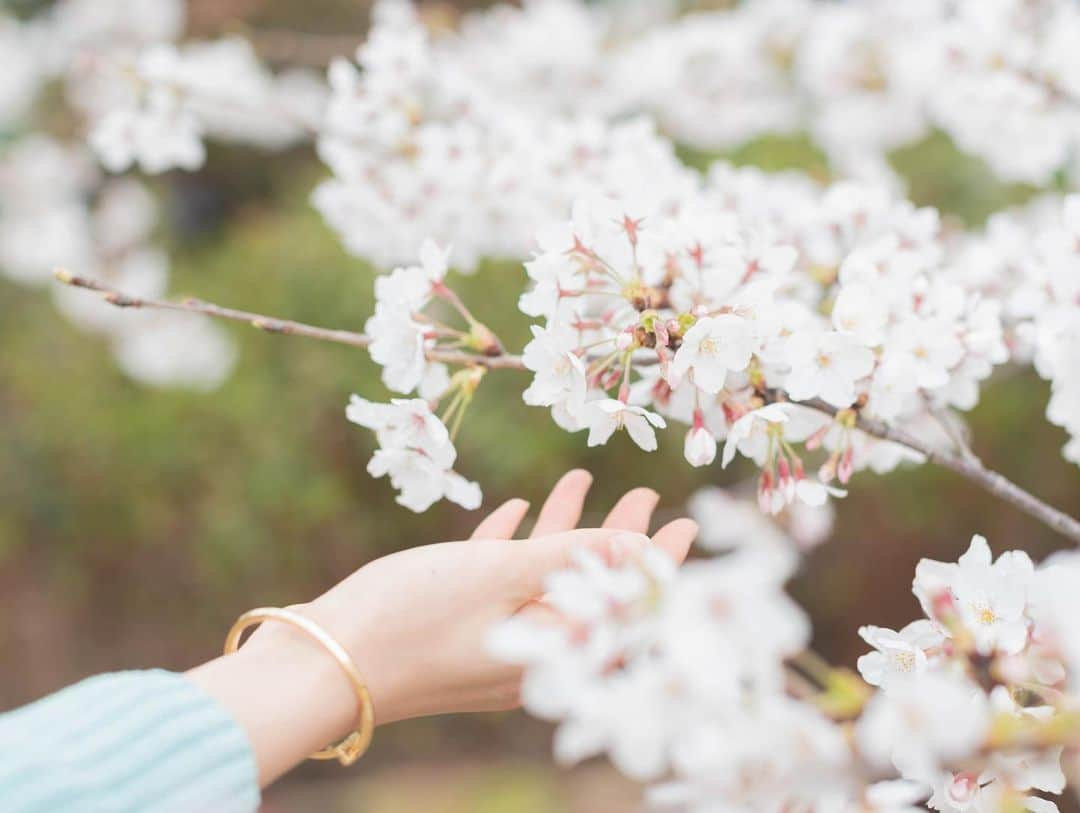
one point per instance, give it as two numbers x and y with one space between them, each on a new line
447 294
954 433
455 412
599 365
440 328
459 415
624 388
972 469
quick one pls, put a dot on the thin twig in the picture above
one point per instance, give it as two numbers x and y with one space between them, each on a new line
270 324
955 433
969 467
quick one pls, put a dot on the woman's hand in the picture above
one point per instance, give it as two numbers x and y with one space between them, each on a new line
416 624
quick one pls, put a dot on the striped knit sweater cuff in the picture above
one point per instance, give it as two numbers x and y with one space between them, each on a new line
126 742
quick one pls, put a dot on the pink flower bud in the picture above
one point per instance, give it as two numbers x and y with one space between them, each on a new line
797 466
784 479
765 492
700 446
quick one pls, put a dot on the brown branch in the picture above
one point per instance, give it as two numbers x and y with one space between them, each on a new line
286 327
969 467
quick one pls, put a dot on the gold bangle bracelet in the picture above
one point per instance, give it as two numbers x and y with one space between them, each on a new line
353 746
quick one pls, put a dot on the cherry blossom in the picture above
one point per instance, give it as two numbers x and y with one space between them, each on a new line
819 329
711 348
415 452
710 654
897 655
826 366
604 417
989 596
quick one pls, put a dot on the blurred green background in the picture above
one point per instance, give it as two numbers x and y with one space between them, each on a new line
136 524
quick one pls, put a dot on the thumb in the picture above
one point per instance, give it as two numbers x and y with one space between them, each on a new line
535 559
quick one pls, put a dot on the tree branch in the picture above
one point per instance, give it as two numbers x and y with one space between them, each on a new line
270 324
969 467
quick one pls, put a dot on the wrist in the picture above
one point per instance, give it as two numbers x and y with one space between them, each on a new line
289 694
288 656
359 635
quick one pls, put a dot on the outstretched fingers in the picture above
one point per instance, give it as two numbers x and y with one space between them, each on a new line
503 522
537 558
561 511
676 538
633 511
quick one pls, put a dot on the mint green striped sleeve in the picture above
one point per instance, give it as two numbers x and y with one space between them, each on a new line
126 742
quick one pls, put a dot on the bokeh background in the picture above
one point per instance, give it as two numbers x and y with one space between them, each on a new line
135 524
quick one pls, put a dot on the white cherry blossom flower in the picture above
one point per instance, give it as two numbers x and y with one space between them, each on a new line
748 434
421 481
398 344
410 288
404 424
990 597
714 346
827 366
861 312
605 416
559 371
898 655
895 796
920 724
415 452
159 135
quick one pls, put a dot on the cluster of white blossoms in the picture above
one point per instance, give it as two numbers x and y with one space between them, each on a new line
439 139
721 318
491 121
58 210
416 448
757 307
155 108
415 452
999 76
1029 260
818 329
699 681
